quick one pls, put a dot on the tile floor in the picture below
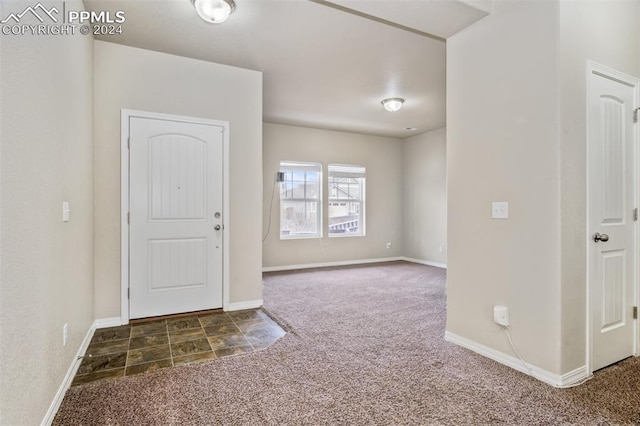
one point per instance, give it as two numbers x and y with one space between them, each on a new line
132 349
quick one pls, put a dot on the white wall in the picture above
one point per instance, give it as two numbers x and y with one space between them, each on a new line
47 266
502 145
139 79
516 132
605 32
425 196
383 159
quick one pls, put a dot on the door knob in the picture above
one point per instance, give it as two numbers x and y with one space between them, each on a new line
600 237
217 228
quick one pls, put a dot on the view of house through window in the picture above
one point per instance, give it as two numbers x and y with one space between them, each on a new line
301 200
346 200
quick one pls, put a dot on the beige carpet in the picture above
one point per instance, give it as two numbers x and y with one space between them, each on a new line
365 347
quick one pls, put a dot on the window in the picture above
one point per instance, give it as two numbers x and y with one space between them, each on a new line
301 200
346 200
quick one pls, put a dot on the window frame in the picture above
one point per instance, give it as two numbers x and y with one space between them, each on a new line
302 166
359 172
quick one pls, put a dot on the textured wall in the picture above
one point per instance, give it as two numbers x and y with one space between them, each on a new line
425 196
516 132
502 145
607 33
47 266
383 159
140 79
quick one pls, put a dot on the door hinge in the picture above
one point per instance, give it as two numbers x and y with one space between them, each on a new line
129 218
635 115
635 214
635 312
128 293
128 143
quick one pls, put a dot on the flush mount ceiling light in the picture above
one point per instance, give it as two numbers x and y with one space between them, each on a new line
214 11
392 104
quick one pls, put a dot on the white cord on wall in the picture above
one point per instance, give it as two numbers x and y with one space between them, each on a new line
526 366
273 191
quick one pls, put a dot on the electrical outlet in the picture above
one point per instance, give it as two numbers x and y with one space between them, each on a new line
501 315
389 245
65 329
500 210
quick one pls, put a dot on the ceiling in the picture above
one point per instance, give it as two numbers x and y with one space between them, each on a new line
326 64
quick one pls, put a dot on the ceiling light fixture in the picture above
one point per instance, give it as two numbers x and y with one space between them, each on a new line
392 104
214 11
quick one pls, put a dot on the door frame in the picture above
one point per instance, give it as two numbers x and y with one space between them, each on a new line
610 73
125 116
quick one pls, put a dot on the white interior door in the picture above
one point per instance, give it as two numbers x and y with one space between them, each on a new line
175 231
612 226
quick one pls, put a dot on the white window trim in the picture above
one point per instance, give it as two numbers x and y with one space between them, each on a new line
304 166
360 173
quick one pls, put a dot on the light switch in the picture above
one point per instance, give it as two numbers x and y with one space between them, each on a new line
500 210
66 211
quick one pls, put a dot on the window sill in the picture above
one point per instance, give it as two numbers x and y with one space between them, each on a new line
301 237
346 235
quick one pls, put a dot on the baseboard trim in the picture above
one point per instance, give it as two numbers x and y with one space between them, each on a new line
66 382
543 375
240 306
108 322
329 264
575 376
425 262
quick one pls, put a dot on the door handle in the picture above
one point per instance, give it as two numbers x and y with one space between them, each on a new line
217 228
597 237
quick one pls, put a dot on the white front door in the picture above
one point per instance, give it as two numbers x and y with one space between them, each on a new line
175 231
612 226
